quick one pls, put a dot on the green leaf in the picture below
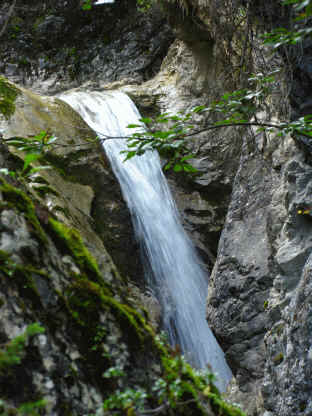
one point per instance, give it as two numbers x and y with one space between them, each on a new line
134 126
168 166
161 134
177 167
130 155
31 157
15 143
146 120
176 144
191 156
38 168
87 5
189 168
41 135
199 108
133 144
302 5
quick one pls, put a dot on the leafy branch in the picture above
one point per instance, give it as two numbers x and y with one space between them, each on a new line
281 36
171 391
237 109
180 389
34 149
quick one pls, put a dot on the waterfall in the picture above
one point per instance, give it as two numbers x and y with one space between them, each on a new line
172 266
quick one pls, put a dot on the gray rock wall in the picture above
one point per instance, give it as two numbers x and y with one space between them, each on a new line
249 213
263 183
53 46
74 333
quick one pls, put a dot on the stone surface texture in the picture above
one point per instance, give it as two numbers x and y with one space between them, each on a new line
248 213
56 271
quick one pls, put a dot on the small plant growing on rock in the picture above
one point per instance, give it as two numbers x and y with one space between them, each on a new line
13 353
34 149
180 389
8 95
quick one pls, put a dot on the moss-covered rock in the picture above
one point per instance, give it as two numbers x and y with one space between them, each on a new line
96 345
8 95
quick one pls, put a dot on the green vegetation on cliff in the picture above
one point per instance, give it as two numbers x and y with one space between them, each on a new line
110 335
8 95
15 350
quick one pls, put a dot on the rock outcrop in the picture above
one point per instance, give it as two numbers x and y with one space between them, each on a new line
262 262
76 337
53 46
262 184
249 212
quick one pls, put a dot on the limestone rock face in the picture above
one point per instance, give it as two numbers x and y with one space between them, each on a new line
288 342
262 263
66 316
244 298
248 213
74 332
262 184
82 189
54 46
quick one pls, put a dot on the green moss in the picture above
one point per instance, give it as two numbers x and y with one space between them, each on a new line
72 242
89 293
20 201
23 276
32 408
86 299
14 351
8 95
38 22
4 256
222 407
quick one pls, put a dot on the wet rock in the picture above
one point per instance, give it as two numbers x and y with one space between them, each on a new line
254 193
39 282
51 25
116 39
82 189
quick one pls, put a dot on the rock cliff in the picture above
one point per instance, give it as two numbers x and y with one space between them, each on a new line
77 337
248 212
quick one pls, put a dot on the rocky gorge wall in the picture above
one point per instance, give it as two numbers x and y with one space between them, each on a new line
77 337
262 263
243 212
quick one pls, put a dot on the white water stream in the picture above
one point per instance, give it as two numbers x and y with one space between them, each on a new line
172 267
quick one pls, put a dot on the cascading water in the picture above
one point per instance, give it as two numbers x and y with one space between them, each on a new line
173 268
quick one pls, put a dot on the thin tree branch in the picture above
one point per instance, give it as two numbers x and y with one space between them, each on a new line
10 12
156 410
103 137
164 406
247 124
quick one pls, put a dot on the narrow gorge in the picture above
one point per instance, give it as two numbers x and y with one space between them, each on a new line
98 255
